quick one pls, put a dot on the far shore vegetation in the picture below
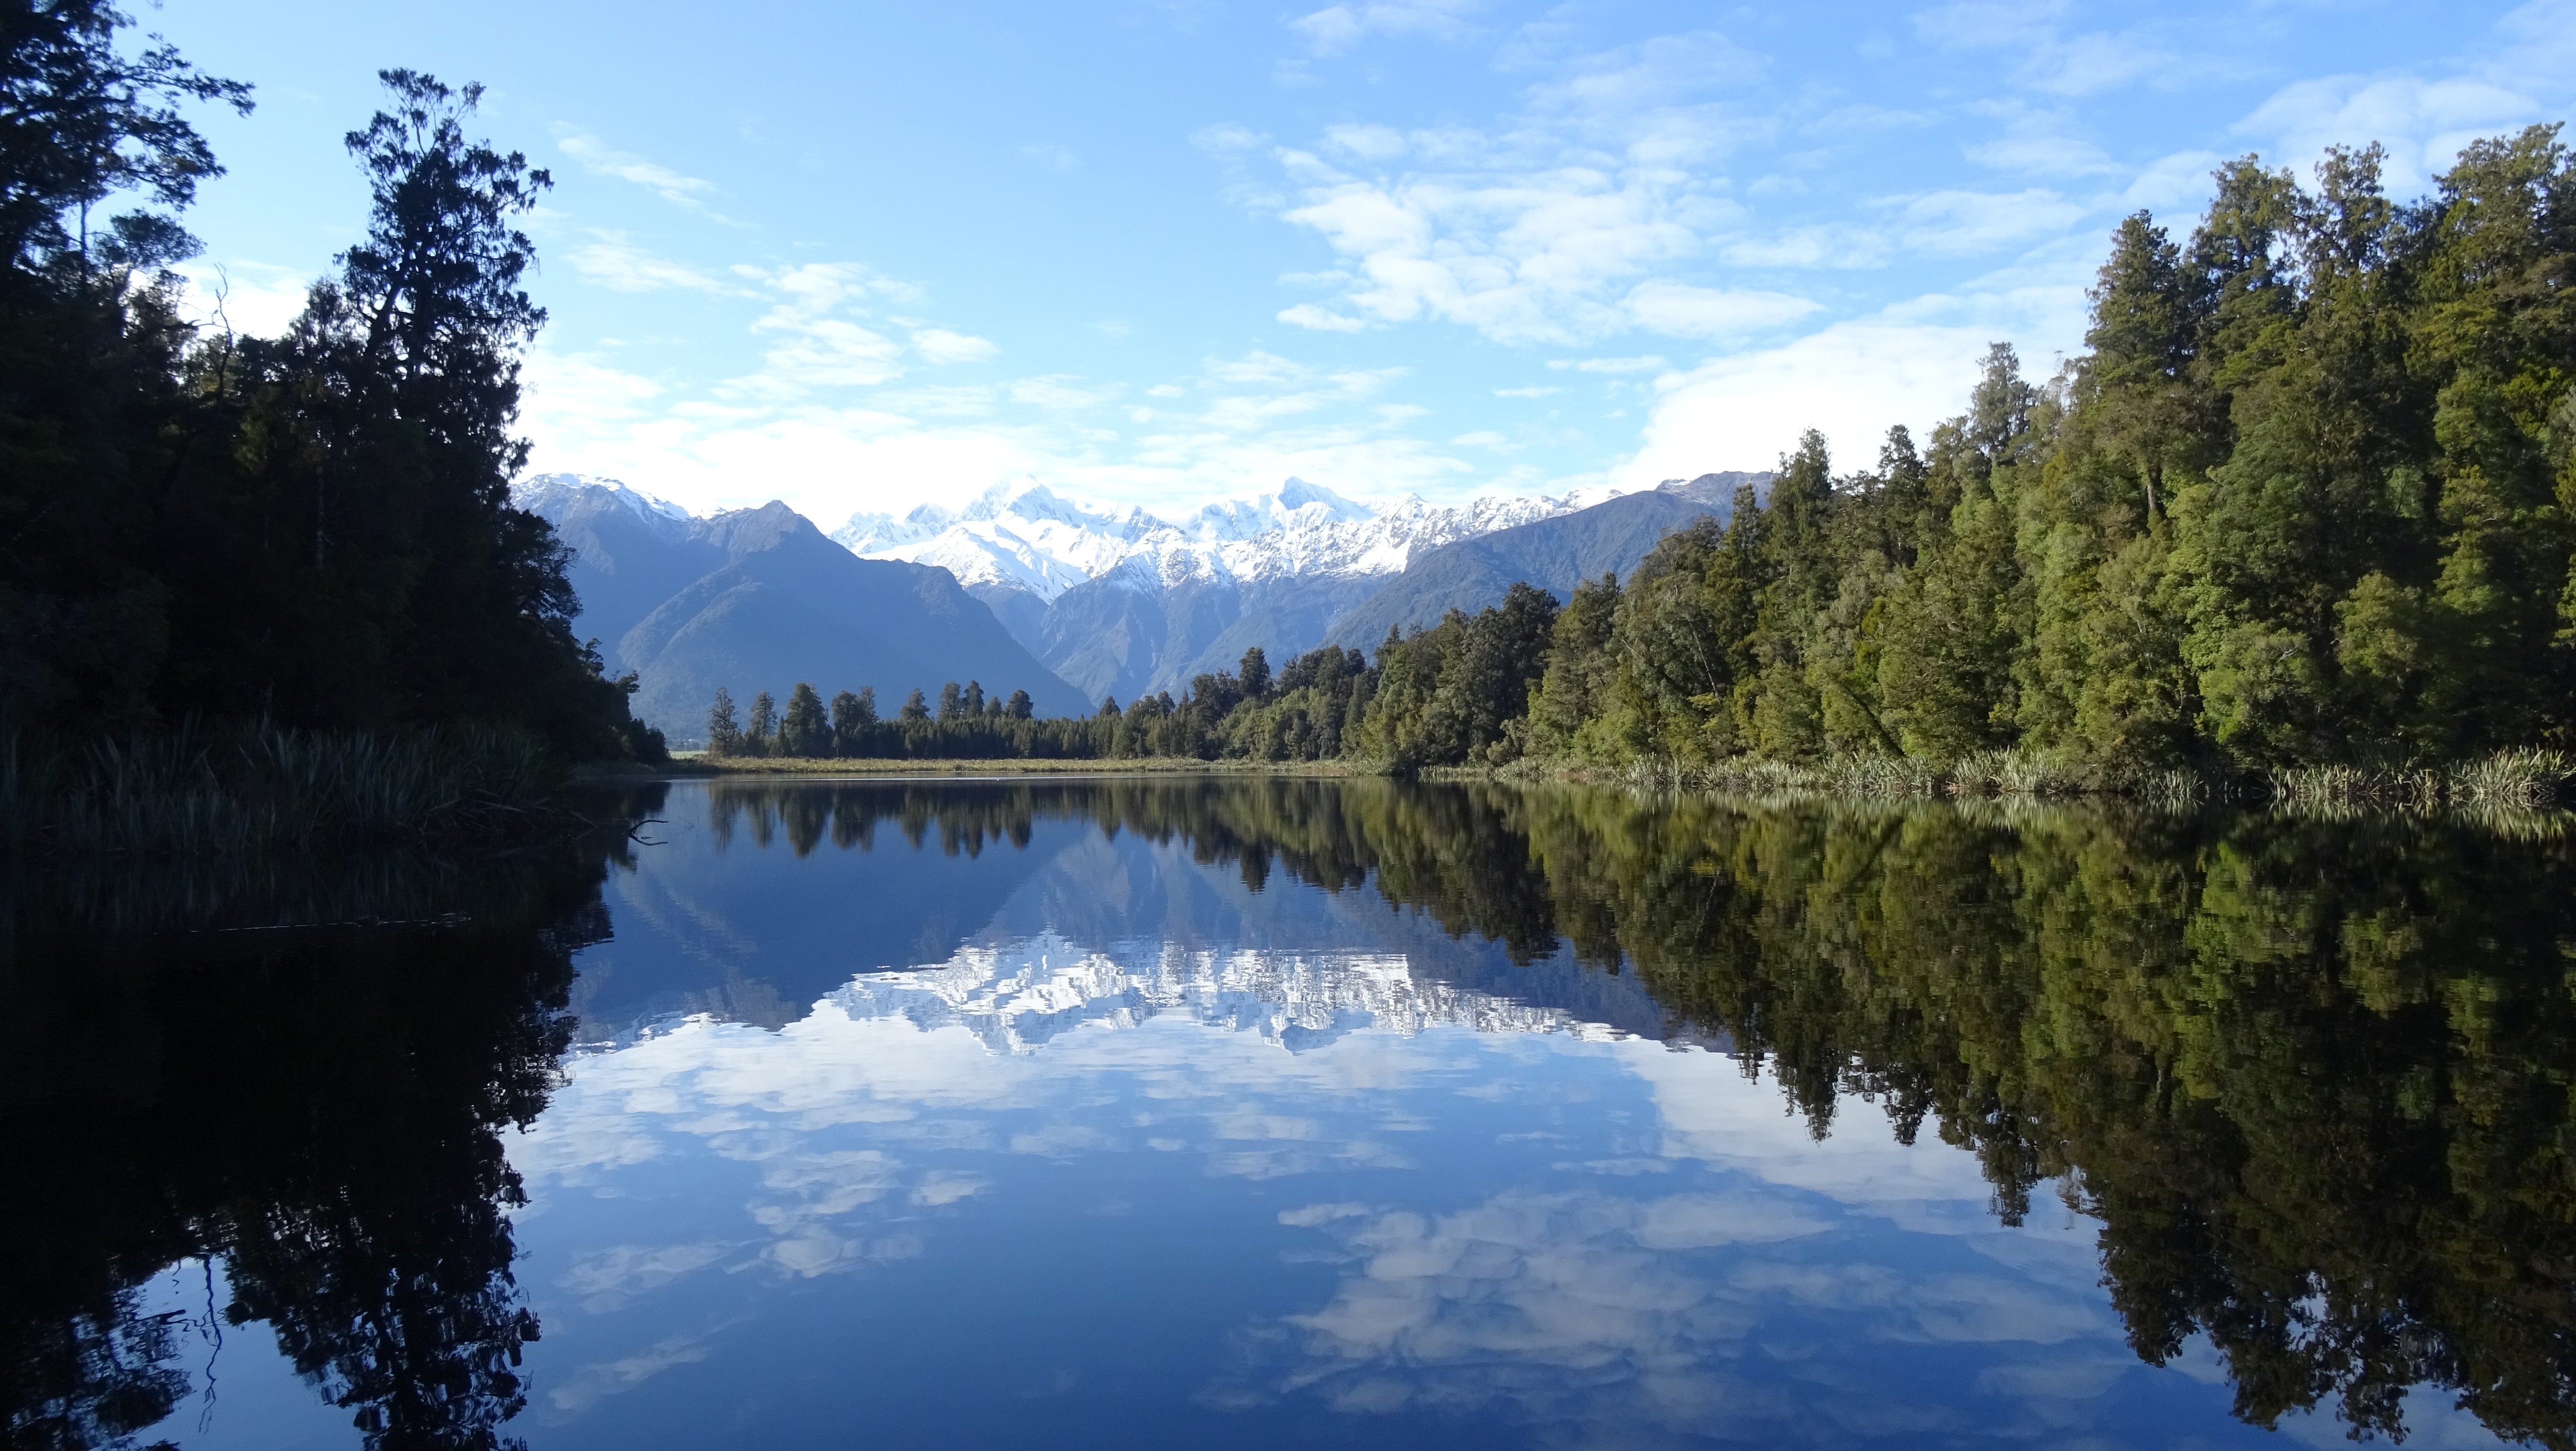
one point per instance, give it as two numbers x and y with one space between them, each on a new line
2300 525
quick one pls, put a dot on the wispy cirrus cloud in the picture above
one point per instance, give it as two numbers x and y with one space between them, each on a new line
614 261
680 190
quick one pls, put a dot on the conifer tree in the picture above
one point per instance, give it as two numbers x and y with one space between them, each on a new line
805 731
724 733
853 718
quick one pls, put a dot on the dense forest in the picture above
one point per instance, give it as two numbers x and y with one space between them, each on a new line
2308 500
310 533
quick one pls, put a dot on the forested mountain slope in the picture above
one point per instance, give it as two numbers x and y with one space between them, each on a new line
1553 554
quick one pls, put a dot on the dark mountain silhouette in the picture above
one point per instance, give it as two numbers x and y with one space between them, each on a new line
758 599
1554 554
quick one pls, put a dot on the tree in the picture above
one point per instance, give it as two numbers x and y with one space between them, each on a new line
804 731
84 123
760 733
853 718
724 734
972 703
952 702
914 709
1254 672
1020 707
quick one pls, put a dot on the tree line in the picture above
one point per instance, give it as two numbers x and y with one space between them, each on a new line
312 530
2307 499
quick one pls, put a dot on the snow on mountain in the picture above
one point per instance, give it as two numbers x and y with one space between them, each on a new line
1017 996
1297 505
547 493
1019 535
1022 535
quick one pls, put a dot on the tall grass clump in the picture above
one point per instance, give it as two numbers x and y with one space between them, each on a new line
193 792
2522 778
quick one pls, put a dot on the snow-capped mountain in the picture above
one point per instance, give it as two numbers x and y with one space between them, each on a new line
1120 601
1022 535
1018 535
551 494
1020 995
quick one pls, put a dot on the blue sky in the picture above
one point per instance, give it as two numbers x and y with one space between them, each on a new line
862 256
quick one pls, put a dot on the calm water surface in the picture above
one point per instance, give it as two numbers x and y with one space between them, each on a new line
1147 1112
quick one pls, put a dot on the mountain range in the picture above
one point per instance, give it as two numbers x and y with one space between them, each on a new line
1123 603
758 599
1077 603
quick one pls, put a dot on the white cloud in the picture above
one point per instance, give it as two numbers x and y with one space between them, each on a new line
1339 27
1226 139
1526 392
253 299
1646 364
598 156
2423 123
612 261
779 433
2041 143
610 1278
1533 230
1911 364
1307 315
1679 310
1971 223
2064 62
939 345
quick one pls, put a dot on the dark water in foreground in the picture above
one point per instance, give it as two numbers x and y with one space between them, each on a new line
1119 1113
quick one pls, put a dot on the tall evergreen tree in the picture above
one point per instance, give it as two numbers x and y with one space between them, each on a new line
805 731
724 732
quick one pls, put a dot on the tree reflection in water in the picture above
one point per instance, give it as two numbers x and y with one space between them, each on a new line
2314 1079
315 1105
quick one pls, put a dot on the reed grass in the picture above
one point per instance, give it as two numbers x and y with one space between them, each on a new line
196 792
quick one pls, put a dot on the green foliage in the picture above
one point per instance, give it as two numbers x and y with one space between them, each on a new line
313 529
804 730
2306 501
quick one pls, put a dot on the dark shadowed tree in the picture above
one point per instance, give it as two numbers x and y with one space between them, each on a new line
805 730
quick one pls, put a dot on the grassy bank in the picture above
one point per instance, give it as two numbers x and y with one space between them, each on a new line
195 792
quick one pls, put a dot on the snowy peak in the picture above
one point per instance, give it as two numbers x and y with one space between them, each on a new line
1297 504
868 534
553 494
1021 535
1017 996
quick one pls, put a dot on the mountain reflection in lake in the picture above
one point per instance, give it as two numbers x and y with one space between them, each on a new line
1126 1112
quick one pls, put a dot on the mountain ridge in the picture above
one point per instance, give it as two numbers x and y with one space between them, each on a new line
759 599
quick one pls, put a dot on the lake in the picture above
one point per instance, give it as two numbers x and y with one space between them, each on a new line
1253 1112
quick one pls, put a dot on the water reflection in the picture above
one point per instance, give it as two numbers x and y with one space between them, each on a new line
1273 1112
300 1070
